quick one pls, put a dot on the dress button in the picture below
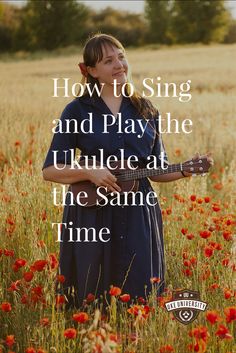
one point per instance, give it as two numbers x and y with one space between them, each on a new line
121 237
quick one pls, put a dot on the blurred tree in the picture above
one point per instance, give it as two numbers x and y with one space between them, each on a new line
158 14
231 34
199 21
48 24
9 24
129 28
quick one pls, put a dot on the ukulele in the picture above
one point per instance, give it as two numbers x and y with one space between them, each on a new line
128 179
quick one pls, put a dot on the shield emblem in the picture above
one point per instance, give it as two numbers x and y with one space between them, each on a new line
186 315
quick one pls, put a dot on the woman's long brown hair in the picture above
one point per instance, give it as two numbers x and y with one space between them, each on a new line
92 53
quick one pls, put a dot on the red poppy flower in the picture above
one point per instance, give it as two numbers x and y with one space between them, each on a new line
230 313
60 299
14 286
44 321
115 291
223 332
28 276
227 235
10 340
61 278
187 272
6 307
200 332
30 350
207 199
40 350
190 236
184 231
205 234
228 293
212 316
70 333
90 298
39 265
18 264
8 252
167 348
155 280
208 251
215 207
81 317
125 298
225 262
53 261
193 198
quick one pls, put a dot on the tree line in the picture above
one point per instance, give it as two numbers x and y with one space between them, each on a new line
49 24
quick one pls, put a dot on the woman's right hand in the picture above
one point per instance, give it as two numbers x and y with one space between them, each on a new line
103 177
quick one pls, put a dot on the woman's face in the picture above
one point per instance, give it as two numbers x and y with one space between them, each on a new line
112 66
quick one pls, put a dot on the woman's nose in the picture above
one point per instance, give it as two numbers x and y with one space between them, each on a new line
118 63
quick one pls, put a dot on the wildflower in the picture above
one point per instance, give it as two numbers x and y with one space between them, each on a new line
212 317
90 298
218 186
6 307
227 293
28 276
184 231
39 265
187 272
205 234
9 253
193 198
30 350
115 291
230 313
190 236
227 235
10 340
207 199
167 348
200 332
223 332
215 207
53 261
70 333
225 261
18 264
60 300
61 278
155 280
125 298
44 321
208 251
81 317
141 300
14 286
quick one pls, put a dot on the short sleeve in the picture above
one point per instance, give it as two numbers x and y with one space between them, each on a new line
62 141
158 149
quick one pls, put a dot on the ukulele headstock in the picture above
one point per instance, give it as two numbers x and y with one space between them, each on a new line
197 166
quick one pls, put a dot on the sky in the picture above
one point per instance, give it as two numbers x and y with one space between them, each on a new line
131 5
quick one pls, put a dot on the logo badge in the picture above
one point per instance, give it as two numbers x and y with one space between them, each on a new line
186 305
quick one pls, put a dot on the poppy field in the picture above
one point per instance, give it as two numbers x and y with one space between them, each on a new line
198 215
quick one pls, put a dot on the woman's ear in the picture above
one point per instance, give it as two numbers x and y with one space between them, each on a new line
92 71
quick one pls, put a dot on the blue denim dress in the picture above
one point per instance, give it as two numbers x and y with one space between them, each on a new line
135 252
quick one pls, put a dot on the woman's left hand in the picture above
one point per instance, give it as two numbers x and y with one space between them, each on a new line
197 156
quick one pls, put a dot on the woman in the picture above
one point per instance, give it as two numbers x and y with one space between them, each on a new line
135 252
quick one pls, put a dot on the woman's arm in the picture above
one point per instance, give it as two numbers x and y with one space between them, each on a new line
100 177
169 177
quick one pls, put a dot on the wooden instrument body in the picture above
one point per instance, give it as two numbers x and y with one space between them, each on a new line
91 189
